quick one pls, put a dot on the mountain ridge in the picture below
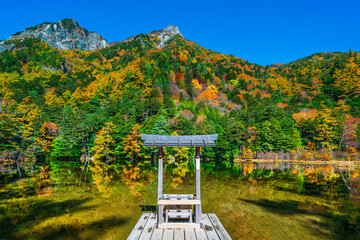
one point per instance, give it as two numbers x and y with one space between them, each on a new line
67 34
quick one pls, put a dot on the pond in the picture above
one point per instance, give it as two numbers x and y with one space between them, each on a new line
262 200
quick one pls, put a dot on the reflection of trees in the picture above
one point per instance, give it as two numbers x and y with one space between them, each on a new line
310 179
131 175
352 182
179 172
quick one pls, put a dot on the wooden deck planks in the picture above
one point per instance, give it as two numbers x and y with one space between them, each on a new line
209 228
157 234
218 227
200 234
190 234
168 234
179 234
149 228
145 229
139 227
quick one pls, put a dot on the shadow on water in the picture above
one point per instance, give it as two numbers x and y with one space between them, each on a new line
30 191
320 188
336 226
92 230
148 208
290 190
288 207
43 210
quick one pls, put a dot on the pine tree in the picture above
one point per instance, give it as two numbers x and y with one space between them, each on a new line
160 126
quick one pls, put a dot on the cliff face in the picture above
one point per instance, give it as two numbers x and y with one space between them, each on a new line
65 34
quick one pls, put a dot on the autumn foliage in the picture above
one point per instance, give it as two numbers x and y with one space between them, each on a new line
93 105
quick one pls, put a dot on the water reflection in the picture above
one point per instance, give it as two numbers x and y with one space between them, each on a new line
253 200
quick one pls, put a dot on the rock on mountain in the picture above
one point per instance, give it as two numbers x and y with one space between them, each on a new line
160 36
65 34
165 35
5 46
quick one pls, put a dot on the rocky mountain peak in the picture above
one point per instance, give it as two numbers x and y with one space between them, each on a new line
166 34
173 30
64 34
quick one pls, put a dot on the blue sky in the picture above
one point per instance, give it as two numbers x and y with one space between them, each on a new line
263 32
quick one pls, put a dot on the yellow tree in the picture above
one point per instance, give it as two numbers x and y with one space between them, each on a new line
348 79
132 143
103 141
28 129
177 152
102 148
6 79
197 86
326 127
131 77
8 120
280 83
27 114
52 100
19 124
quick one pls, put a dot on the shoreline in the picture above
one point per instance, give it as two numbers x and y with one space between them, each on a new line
333 162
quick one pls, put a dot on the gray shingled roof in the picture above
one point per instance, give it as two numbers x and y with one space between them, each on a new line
179 141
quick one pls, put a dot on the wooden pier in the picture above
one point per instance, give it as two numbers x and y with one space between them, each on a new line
179 216
212 229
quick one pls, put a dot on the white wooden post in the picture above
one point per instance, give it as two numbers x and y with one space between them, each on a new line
160 186
197 167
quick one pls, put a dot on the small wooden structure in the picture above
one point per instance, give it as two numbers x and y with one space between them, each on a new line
146 229
183 210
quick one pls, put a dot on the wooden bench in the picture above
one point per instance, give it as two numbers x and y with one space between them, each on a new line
178 212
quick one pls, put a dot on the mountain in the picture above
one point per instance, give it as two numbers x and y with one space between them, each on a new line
65 34
161 82
160 37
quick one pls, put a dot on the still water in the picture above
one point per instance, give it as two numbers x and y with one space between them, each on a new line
264 200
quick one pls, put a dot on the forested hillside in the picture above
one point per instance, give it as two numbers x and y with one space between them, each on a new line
75 104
